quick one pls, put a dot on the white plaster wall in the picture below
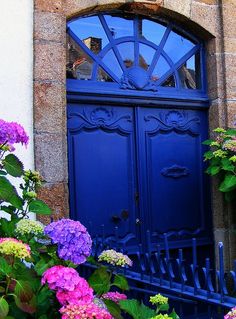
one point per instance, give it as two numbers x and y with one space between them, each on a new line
16 69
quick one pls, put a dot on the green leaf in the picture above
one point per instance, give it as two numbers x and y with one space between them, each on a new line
40 267
5 268
8 209
174 315
231 131
13 165
136 310
207 142
29 307
113 308
8 193
213 170
23 291
227 165
39 207
208 155
100 281
121 282
4 308
7 227
228 184
164 307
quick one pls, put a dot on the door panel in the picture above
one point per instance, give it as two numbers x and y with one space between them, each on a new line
171 171
102 168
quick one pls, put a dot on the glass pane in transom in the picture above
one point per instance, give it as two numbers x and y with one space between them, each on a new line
160 69
91 32
151 31
119 27
112 63
103 76
127 53
189 73
177 46
78 64
146 54
169 82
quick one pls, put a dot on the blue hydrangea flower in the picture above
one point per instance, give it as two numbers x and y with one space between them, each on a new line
73 240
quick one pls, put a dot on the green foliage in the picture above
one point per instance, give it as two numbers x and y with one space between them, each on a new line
13 165
121 282
114 309
136 309
39 207
4 308
100 281
9 194
222 160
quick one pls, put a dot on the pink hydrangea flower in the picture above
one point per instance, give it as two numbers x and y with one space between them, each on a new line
84 310
114 296
231 314
12 133
67 283
81 292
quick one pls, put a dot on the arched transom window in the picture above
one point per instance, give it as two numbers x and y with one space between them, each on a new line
134 53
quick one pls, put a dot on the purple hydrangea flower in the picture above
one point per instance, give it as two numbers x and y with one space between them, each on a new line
73 240
12 133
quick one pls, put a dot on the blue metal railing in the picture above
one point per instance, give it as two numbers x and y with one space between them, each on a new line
168 270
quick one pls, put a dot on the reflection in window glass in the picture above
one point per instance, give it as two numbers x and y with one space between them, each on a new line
119 27
103 76
91 32
111 62
169 82
146 54
189 73
78 64
177 46
127 53
151 31
160 69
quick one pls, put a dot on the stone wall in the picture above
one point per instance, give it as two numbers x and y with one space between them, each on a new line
214 20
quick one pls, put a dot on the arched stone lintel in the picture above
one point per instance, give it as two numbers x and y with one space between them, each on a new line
195 16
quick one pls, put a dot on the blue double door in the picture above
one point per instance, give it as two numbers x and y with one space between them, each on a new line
138 168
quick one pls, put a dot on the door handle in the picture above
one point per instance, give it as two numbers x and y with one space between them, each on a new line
137 221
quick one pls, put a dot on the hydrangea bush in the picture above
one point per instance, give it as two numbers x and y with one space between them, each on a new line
38 264
222 160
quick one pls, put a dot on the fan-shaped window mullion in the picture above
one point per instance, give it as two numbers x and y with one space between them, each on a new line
136 42
112 42
178 64
93 56
159 49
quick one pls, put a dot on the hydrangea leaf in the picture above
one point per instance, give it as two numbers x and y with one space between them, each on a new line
4 308
231 132
121 282
100 281
8 193
174 315
136 310
29 307
39 207
207 142
228 184
213 170
5 268
23 290
227 165
113 308
13 165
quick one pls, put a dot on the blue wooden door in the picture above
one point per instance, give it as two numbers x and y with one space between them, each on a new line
140 169
172 182
103 168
